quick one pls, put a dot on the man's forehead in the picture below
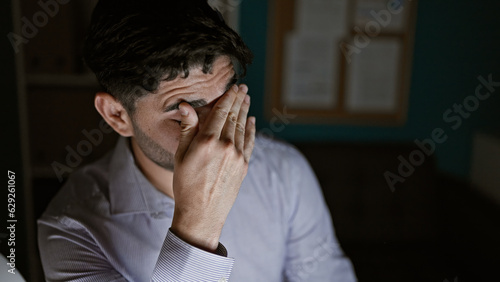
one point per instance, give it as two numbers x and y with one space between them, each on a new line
222 67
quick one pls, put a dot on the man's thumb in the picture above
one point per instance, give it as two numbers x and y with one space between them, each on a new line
189 128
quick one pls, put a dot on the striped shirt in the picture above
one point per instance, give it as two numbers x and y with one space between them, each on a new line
108 223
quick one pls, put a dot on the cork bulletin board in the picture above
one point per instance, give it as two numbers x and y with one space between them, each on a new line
340 61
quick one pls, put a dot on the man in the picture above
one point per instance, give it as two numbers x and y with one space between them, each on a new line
156 208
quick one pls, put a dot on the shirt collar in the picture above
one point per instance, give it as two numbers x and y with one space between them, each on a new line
129 190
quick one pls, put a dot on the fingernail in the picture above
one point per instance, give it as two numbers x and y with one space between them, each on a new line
247 99
235 88
184 112
244 88
251 120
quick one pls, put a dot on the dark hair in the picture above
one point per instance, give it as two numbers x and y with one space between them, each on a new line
133 44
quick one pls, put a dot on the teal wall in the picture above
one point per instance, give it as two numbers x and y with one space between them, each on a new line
455 42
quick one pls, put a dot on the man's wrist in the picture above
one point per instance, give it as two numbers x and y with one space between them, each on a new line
206 242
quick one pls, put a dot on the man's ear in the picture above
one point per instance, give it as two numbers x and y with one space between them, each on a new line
114 113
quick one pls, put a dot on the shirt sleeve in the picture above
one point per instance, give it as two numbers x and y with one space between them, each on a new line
313 252
69 253
180 261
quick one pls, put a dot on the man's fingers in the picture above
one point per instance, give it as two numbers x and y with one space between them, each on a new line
216 119
228 132
189 128
239 135
249 138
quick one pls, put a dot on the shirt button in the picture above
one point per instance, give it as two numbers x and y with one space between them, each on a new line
223 279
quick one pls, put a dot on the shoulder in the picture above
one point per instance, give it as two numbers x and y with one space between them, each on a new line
275 153
278 176
88 184
278 163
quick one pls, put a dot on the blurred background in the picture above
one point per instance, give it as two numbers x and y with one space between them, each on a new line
403 210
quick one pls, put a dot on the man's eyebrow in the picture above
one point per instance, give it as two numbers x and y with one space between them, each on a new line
231 82
201 102
195 104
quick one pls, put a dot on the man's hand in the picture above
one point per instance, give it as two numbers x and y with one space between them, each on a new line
210 165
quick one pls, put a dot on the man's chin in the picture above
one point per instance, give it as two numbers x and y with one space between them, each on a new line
165 165
165 162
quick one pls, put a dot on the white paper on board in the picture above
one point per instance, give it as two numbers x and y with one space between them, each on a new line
387 15
310 71
321 16
373 76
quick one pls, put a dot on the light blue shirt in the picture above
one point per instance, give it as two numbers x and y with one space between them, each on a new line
108 223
